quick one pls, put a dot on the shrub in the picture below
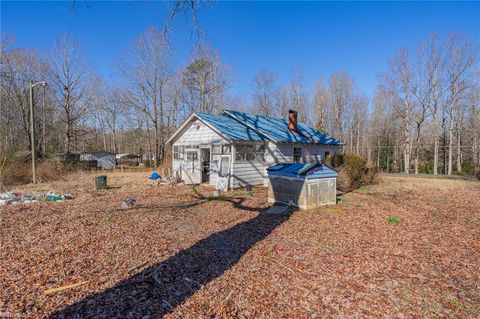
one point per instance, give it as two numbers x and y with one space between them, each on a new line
353 171
16 169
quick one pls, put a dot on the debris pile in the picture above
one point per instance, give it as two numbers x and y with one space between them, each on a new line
15 198
54 197
129 202
169 181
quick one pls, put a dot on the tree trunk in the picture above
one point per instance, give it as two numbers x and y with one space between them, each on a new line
459 149
417 148
450 141
406 149
378 152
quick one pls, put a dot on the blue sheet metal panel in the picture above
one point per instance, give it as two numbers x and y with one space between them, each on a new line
231 128
277 129
295 170
322 172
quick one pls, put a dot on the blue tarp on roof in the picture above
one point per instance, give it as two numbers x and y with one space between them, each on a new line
302 170
277 129
231 128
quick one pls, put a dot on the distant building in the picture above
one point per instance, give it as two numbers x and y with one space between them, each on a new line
128 159
105 160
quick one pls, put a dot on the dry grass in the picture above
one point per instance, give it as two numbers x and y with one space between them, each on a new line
182 255
79 182
413 182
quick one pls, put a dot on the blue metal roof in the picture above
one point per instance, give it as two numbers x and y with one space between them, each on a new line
231 128
277 129
302 170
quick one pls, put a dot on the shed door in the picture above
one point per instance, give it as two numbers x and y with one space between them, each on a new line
223 172
191 168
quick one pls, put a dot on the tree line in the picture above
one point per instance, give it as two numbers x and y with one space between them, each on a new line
423 118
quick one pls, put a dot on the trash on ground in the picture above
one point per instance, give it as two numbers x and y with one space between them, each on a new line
16 198
155 176
53 197
129 202
169 181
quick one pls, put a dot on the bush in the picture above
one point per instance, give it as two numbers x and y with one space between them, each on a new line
353 171
16 169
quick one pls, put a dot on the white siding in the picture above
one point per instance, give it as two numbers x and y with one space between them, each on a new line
283 152
248 172
198 133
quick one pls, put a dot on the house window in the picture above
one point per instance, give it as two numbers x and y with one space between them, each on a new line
221 149
297 154
250 152
226 149
192 156
178 152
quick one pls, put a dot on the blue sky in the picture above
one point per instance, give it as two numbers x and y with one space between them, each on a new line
318 37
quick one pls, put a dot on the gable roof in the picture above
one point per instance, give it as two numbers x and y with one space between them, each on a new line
241 126
277 129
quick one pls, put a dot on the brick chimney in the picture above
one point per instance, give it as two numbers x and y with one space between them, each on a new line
292 120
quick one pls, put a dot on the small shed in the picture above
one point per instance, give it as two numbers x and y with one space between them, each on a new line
305 185
128 159
105 160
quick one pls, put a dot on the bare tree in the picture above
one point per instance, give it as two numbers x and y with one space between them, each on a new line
298 95
205 81
398 83
147 68
341 91
71 77
263 91
320 104
358 123
430 67
460 59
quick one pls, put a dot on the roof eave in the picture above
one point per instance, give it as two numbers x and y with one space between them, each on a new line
188 120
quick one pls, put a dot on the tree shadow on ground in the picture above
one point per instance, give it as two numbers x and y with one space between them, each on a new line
157 290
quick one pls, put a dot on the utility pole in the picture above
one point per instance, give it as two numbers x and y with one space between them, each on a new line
32 129
32 135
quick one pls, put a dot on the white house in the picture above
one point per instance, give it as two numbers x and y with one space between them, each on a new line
234 149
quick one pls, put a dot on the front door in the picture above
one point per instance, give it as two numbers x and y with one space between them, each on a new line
223 172
205 158
191 168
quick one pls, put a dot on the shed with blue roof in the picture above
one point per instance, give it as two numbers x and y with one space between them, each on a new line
307 186
234 149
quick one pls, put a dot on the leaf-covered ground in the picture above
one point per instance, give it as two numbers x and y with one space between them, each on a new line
406 248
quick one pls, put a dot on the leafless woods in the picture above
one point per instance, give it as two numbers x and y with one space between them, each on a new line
423 117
